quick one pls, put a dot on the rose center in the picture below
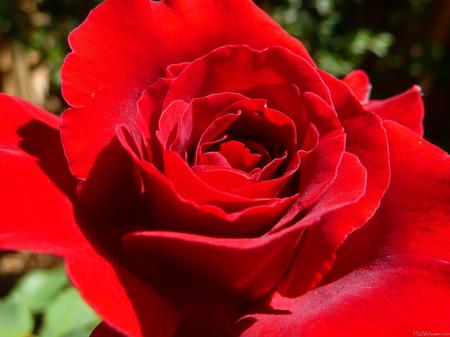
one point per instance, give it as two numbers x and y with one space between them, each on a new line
242 139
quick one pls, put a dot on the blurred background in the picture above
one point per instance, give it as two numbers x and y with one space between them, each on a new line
399 43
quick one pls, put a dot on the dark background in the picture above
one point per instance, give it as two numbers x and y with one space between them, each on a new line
399 43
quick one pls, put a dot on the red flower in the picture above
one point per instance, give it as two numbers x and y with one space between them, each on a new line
210 180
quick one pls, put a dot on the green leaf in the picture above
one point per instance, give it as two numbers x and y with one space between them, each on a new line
15 320
80 333
67 315
37 288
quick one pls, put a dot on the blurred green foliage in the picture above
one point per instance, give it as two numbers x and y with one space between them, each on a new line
316 22
346 34
43 304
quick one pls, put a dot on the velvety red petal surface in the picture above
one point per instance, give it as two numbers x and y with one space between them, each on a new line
414 216
35 182
406 108
124 46
390 297
119 297
166 207
366 139
361 127
242 68
190 186
37 215
336 220
359 82
391 278
247 267
319 166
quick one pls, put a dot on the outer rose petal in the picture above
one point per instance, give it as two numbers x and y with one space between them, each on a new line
15 113
103 330
321 241
141 38
359 82
406 109
414 217
119 297
391 297
37 214
398 277
366 138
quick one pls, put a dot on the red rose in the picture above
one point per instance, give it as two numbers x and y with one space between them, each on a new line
210 180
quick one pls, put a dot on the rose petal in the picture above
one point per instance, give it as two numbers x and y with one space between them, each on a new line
16 113
248 268
239 156
269 123
222 178
274 187
257 263
240 68
201 113
37 189
214 134
166 207
406 109
191 187
110 200
359 83
168 122
392 275
104 90
269 170
394 296
211 160
284 97
319 165
321 241
35 182
366 138
175 69
120 298
414 215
